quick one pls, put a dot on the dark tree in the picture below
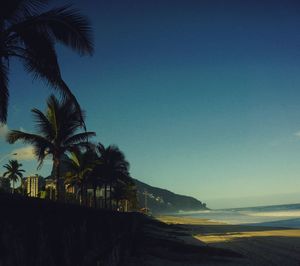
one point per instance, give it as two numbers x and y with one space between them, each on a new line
13 172
29 33
113 167
57 133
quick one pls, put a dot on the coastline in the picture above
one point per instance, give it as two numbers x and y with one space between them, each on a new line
258 245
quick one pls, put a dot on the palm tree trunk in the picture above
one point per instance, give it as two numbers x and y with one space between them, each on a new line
56 164
86 196
81 195
95 198
105 196
13 188
110 197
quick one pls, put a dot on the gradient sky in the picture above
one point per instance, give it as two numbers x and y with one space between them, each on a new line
202 96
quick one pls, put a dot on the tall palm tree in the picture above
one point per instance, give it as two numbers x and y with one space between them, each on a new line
94 179
119 192
79 168
57 133
113 166
29 33
124 190
13 172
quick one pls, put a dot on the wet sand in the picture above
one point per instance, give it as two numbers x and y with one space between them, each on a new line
258 245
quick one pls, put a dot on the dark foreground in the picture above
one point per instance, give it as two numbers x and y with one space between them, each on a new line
36 232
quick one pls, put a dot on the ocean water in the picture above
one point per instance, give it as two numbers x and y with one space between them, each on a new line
277 215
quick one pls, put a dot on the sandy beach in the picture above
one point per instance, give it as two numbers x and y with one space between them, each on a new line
257 245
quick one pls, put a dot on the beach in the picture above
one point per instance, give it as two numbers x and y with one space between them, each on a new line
257 245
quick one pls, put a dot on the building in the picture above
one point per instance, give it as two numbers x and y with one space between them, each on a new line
32 186
50 183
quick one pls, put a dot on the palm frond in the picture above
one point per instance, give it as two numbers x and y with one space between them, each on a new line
74 159
52 112
70 118
69 27
39 57
43 124
15 135
15 10
63 24
30 34
40 152
4 93
6 174
78 138
100 148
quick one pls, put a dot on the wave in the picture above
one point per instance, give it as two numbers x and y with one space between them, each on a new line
193 212
291 213
267 215
290 223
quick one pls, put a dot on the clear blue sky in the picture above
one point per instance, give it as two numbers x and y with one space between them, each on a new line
202 96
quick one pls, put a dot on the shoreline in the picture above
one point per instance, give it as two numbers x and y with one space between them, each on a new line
258 245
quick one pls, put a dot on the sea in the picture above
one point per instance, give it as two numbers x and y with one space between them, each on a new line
287 215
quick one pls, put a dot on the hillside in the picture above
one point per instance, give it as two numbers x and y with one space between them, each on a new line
164 201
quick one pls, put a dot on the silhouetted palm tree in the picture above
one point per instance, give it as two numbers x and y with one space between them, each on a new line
13 172
113 166
79 168
119 192
94 178
29 33
124 189
57 133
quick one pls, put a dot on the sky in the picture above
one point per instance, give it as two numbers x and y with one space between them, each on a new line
202 96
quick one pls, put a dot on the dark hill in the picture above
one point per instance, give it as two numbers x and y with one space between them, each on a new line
164 201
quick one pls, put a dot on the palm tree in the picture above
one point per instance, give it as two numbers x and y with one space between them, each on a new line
113 166
94 179
57 133
119 192
29 33
13 172
124 189
79 168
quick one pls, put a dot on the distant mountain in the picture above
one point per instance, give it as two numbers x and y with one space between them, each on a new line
164 201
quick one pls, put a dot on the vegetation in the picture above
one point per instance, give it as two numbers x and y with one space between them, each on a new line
4 185
29 34
160 200
113 167
126 193
80 166
100 168
13 173
87 166
57 134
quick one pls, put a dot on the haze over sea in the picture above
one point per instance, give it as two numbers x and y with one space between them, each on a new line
276 215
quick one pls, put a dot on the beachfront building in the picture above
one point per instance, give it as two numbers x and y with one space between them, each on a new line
32 183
